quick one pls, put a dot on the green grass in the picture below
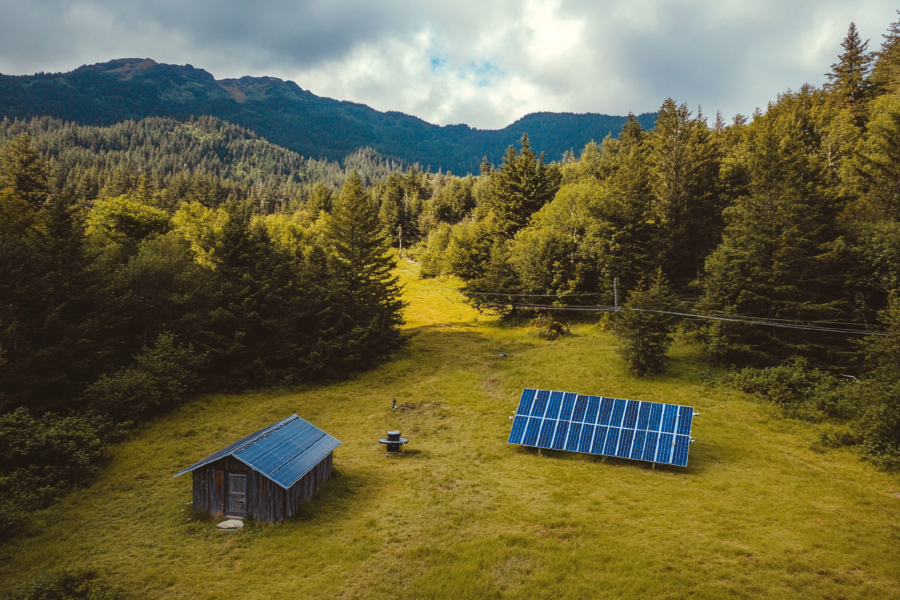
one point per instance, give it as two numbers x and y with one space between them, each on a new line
461 514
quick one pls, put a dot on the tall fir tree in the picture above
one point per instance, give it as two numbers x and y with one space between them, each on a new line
850 78
683 165
886 70
521 187
362 268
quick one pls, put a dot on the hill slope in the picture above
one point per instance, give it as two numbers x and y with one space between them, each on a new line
285 114
461 514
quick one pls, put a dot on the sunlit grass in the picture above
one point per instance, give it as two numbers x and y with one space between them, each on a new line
461 514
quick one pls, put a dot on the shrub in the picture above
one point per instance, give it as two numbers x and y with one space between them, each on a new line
41 456
787 385
161 376
70 584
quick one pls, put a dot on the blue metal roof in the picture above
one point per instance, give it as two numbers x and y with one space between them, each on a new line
284 451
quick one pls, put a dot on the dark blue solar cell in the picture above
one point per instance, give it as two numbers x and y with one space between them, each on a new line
643 416
559 440
568 404
580 407
593 406
668 420
587 436
664 453
656 411
618 412
273 440
562 430
625 440
291 472
680 456
574 436
532 431
525 402
291 448
631 413
540 403
685 414
612 441
637 449
518 430
599 439
545 440
650 446
606 408
553 405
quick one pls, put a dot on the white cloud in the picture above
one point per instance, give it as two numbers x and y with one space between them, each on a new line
485 64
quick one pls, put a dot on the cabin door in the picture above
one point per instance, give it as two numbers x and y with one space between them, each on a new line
236 500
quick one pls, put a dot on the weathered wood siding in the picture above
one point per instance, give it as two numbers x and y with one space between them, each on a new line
209 484
266 500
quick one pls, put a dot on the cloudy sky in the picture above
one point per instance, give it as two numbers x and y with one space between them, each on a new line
485 63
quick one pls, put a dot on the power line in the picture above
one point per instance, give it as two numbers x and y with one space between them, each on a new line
575 307
749 321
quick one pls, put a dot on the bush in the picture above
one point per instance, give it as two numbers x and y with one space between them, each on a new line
70 584
41 457
789 385
877 421
161 377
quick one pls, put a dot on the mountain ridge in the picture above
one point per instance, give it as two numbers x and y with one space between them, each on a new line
286 114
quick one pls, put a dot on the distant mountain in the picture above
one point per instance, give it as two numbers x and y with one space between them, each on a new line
285 114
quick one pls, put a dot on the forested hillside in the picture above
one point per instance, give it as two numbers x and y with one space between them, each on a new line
202 159
285 114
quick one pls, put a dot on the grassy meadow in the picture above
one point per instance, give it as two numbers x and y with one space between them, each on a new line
461 514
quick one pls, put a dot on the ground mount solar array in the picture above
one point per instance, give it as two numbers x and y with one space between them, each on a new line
648 431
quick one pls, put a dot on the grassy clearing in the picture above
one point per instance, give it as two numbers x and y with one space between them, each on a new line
463 515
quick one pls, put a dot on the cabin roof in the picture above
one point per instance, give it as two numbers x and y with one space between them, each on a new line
284 451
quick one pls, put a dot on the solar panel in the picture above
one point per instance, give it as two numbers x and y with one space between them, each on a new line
633 429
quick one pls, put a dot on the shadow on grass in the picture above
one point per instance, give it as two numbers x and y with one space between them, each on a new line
697 467
336 498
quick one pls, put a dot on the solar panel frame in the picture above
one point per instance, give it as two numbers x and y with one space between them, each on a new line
632 429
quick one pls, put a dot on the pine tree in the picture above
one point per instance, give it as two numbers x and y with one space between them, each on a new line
683 167
320 200
850 77
23 170
886 72
362 267
645 337
522 186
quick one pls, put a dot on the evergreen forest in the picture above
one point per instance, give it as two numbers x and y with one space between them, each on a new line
143 261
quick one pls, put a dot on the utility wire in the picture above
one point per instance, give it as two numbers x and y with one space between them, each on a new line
575 307
696 316
470 293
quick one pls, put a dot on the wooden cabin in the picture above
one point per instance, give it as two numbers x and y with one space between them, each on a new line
266 475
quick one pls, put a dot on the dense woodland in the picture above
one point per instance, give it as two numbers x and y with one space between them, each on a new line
146 260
